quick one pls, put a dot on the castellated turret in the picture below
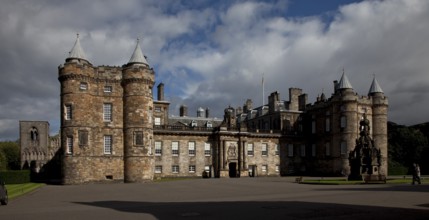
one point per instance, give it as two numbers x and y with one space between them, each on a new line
138 81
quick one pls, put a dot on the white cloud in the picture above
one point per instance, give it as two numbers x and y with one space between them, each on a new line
213 55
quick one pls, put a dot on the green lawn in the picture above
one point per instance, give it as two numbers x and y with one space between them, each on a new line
15 190
353 182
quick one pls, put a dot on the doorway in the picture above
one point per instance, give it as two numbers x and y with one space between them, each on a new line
232 169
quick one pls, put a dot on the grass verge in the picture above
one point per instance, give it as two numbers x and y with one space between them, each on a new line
16 190
355 182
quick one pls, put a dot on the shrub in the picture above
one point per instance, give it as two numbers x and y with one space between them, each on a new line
15 176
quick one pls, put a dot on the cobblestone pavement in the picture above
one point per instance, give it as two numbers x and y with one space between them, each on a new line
236 198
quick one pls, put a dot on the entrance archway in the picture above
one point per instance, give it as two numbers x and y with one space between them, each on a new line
232 169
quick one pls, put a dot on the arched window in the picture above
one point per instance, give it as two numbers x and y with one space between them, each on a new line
34 134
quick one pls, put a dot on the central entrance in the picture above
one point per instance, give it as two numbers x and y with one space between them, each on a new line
232 169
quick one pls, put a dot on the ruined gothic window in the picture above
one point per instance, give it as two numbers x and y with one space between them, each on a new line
107 111
207 149
34 134
327 125
191 148
313 127
83 138
69 145
158 169
264 150
68 112
158 148
108 144
250 149
175 169
175 148
138 138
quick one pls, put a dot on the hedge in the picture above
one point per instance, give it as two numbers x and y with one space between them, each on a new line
15 176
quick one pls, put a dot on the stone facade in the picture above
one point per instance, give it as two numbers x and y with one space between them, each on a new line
113 130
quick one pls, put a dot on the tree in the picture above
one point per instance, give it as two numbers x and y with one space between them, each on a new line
10 153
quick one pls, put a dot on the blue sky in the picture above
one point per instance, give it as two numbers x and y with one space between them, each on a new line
213 53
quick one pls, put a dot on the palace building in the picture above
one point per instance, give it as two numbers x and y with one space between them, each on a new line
112 129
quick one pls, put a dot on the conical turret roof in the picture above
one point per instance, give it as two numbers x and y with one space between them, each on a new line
344 82
138 56
375 87
77 51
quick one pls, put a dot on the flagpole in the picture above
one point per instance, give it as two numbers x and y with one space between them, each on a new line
263 90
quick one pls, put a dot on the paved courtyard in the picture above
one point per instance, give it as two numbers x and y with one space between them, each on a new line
237 198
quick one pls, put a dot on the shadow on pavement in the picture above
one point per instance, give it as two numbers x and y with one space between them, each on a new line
259 210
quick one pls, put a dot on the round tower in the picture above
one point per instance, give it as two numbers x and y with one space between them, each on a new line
345 124
75 78
379 122
137 81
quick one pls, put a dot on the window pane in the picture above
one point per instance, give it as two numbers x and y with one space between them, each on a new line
69 145
290 150
175 148
191 148
83 138
68 112
207 149
107 144
138 137
107 112
250 149
158 148
108 89
158 169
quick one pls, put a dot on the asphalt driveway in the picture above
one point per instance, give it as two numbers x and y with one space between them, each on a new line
236 198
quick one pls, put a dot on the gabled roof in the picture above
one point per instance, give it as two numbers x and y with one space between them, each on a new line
77 51
138 56
375 87
344 82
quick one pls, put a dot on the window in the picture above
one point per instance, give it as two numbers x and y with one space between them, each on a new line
107 112
157 109
302 150
277 168
194 123
343 147
83 86
327 125
175 169
328 149
343 121
264 168
207 150
313 150
264 150
158 148
157 121
313 127
192 168
175 148
138 138
107 144
290 150
83 138
250 149
108 89
69 145
191 148
68 112
277 149
158 169
209 124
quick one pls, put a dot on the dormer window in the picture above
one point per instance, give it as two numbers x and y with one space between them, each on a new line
209 124
194 123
